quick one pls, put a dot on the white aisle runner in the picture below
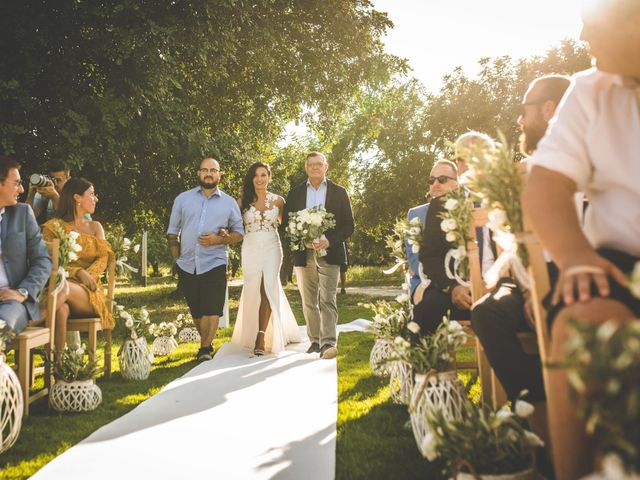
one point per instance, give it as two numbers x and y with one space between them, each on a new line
233 417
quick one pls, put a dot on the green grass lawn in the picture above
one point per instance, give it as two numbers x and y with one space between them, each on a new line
372 441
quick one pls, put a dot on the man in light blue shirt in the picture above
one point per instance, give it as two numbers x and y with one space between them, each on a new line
205 220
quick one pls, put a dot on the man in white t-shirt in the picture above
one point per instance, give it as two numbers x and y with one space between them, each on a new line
593 145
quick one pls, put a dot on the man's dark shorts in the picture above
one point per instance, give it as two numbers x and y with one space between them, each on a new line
624 262
204 293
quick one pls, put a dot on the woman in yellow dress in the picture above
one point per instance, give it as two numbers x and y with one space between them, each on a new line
83 295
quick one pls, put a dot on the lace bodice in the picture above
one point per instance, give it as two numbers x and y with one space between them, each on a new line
267 221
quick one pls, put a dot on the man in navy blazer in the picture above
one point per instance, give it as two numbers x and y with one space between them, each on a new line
25 263
317 277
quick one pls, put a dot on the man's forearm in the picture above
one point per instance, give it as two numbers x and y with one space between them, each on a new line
233 237
548 201
174 245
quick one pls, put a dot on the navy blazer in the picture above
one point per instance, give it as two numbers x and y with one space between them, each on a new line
338 203
24 254
413 259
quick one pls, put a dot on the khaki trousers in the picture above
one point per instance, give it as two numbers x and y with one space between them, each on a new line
318 285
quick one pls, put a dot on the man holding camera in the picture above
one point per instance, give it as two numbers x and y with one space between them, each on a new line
44 190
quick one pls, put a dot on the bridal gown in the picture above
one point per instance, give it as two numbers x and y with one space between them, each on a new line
261 258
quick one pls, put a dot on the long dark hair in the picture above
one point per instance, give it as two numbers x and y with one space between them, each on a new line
248 190
67 205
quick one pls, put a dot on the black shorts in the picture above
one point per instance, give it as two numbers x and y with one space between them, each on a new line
624 262
204 293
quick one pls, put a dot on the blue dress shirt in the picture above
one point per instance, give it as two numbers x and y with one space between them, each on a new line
316 198
192 215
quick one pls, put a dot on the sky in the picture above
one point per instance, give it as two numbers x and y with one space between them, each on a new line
438 35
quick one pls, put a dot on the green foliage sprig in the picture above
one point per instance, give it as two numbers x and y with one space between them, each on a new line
603 368
430 352
122 248
73 366
484 441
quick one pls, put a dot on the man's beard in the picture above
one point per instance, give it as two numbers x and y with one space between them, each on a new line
530 137
208 184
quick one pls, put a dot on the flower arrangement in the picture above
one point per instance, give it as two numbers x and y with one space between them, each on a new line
69 248
184 320
307 226
6 335
73 367
456 222
163 329
603 368
430 352
390 321
482 441
121 246
137 326
404 231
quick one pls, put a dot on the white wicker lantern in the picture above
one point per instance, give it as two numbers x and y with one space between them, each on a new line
163 346
189 335
440 391
77 396
135 359
401 382
11 406
378 360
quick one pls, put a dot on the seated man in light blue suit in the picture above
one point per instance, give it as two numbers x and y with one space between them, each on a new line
419 212
25 263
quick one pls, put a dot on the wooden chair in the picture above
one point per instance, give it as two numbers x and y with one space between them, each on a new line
39 334
93 325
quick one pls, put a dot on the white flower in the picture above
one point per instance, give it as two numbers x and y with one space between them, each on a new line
76 247
72 256
450 204
504 413
403 297
451 237
126 244
428 447
144 314
120 307
80 351
532 440
136 248
174 330
497 218
523 409
129 322
458 253
73 235
413 327
448 225
415 248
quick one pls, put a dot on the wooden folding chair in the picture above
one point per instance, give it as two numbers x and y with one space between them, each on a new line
93 325
39 334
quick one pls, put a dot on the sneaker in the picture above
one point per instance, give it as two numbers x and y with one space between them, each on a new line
205 353
328 352
314 348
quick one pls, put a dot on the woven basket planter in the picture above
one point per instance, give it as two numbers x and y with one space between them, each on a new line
163 346
78 396
401 382
378 360
528 474
11 406
440 391
189 335
135 359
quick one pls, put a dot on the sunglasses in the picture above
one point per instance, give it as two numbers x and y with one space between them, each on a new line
442 179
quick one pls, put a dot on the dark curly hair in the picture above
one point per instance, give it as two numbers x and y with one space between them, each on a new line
248 190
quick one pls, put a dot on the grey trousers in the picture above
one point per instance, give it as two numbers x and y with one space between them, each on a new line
318 285
15 314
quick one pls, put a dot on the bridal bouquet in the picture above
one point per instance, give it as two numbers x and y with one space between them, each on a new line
308 226
456 221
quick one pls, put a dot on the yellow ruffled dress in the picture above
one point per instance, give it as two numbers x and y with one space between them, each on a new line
93 258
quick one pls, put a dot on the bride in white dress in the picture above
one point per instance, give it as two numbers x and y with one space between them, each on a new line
265 322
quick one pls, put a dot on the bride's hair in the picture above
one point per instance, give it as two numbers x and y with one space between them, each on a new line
248 190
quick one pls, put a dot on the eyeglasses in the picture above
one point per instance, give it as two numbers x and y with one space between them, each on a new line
209 170
315 164
442 179
15 183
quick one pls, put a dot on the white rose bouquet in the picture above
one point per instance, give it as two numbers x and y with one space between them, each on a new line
456 221
308 226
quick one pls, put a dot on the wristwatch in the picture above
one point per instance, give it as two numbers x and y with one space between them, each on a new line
24 292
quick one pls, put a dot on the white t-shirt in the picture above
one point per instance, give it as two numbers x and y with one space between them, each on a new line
594 139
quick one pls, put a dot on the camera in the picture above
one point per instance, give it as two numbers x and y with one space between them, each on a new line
40 180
